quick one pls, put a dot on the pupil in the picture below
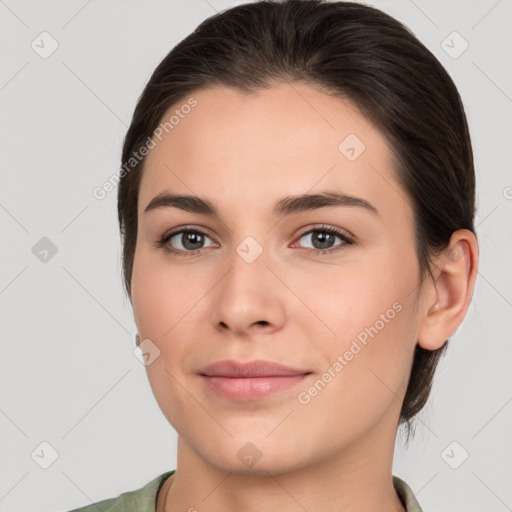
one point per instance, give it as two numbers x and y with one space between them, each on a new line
324 239
189 238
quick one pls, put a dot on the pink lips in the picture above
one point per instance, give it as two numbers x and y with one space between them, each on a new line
250 381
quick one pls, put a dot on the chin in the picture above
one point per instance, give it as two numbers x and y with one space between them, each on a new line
252 454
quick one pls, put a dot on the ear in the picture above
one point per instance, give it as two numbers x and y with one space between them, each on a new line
449 294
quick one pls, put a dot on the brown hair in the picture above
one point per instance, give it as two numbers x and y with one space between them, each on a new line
356 52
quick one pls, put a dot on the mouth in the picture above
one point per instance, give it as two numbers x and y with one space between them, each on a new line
250 381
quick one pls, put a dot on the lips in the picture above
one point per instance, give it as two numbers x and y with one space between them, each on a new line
255 380
252 369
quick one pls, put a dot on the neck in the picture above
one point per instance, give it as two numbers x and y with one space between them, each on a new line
357 477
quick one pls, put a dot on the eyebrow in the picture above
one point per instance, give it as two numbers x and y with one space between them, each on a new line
285 206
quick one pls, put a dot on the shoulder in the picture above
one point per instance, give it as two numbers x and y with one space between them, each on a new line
144 499
139 500
406 495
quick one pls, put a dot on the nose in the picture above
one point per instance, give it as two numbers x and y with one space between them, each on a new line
250 299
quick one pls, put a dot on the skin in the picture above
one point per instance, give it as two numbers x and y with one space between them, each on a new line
244 153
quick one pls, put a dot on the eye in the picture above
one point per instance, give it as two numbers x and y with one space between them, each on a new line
323 237
188 241
183 241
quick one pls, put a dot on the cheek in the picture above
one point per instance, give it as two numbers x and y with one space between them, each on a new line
161 299
366 317
161 296
169 309
365 372
340 302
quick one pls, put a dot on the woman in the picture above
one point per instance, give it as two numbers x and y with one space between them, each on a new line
296 206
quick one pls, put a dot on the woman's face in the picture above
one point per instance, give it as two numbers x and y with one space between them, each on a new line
251 283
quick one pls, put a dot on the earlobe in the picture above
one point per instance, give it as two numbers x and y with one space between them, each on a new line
452 289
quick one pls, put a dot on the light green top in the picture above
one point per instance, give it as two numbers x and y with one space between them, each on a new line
144 499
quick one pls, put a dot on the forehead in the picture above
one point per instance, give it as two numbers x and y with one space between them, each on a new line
287 139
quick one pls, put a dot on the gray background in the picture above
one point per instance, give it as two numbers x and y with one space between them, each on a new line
68 374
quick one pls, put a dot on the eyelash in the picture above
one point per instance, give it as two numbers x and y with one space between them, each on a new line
162 243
